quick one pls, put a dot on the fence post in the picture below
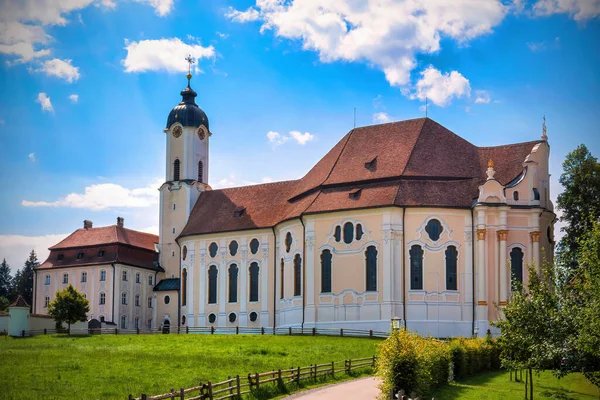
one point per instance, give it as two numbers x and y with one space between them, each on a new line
332 369
187 329
341 331
178 329
210 395
144 396
237 330
172 393
279 377
370 332
181 394
237 384
116 331
373 364
262 330
290 331
229 384
138 330
298 376
212 330
45 331
257 380
314 331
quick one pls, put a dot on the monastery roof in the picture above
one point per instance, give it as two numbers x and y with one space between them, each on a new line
408 163
107 235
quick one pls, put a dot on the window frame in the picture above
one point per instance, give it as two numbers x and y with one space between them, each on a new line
65 278
326 265
371 275
124 298
83 276
47 279
253 292
449 266
102 275
102 299
124 275
416 268
232 283
213 285
297 275
46 301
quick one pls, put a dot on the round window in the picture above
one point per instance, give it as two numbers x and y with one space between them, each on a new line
233 247
253 316
232 317
434 229
183 320
212 249
212 318
184 252
288 242
167 299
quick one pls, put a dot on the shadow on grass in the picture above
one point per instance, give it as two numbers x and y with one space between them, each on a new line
459 389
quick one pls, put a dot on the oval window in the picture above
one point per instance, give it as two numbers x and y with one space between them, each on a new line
288 242
254 243
232 317
183 320
515 195
434 229
348 232
212 249
184 252
212 318
233 247
167 299
253 316
338 233
359 231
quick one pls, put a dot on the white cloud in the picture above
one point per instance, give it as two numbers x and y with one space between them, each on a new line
44 100
234 181
440 88
74 98
381 118
31 156
482 97
162 7
61 69
579 10
223 35
104 196
250 14
162 54
544 45
16 248
387 34
301 138
151 229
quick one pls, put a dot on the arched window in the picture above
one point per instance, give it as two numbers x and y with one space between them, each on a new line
516 267
46 301
254 243
536 194
371 268
84 277
65 278
184 287
176 169
254 281
47 280
212 249
102 299
451 261
233 248
348 232
326 271
138 278
124 298
125 276
123 322
337 233
233 283
434 229
416 268
359 231
515 195
212 284
102 275
149 302
282 282
200 172
297 275
288 242
184 253
137 300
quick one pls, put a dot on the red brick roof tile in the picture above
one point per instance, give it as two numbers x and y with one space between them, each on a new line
107 235
19 302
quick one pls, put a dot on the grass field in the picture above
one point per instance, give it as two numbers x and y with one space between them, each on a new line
113 366
497 386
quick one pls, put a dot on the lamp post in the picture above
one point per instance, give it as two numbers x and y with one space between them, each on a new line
476 331
396 323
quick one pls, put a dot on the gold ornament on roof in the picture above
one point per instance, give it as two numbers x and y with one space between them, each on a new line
490 163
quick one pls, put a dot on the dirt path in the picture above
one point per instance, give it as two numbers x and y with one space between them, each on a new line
360 389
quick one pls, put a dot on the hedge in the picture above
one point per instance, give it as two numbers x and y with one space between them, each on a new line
418 364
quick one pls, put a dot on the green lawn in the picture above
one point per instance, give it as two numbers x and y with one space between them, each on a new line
112 366
497 386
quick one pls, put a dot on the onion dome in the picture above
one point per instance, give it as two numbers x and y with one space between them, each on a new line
187 113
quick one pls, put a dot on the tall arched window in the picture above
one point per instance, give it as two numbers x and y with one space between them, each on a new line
200 171
233 283
326 271
516 266
282 282
254 281
212 284
137 300
416 268
371 268
297 275
102 275
176 169
451 274
348 232
184 287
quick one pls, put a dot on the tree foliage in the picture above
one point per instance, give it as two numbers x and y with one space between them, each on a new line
69 306
579 202
5 280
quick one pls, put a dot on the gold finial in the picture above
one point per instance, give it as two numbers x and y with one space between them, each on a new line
490 163
190 61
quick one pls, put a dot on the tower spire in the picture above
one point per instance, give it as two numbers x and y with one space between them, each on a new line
190 61
544 136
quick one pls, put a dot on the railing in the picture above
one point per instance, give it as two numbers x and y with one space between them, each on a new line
236 387
217 331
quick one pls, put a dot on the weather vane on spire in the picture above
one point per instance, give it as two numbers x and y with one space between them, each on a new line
544 136
190 61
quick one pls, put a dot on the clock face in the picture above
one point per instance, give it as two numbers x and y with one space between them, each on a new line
177 131
201 133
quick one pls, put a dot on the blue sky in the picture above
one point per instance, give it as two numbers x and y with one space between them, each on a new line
87 86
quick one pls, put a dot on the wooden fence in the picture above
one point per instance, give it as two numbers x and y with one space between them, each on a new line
234 388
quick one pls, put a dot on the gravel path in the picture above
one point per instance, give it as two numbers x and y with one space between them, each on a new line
359 389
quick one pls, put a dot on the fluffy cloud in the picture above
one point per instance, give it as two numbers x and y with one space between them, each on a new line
579 10
31 156
104 196
234 181
223 35
301 138
544 45
61 69
440 88
44 100
74 98
387 34
162 54
162 7
482 97
381 118
16 248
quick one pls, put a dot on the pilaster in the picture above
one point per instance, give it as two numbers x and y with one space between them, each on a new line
310 312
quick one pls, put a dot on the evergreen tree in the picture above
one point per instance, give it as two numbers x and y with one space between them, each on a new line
579 202
15 285
24 281
69 306
4 304
5 280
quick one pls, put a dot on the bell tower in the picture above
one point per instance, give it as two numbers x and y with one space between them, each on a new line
186 173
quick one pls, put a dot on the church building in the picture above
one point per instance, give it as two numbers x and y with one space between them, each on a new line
400 220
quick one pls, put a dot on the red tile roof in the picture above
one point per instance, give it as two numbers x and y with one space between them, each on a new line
413 163
107 235
19 302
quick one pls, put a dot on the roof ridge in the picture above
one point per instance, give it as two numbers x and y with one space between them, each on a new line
338 157
412 149
254 185
393 122
510 144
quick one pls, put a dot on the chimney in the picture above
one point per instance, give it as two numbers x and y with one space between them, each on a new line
120 221
87 224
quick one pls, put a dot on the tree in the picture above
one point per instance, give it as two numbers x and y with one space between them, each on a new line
579 202
69 306
5 280
4 304
24 279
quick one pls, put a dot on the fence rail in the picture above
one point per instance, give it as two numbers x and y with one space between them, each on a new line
216 331
236 387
